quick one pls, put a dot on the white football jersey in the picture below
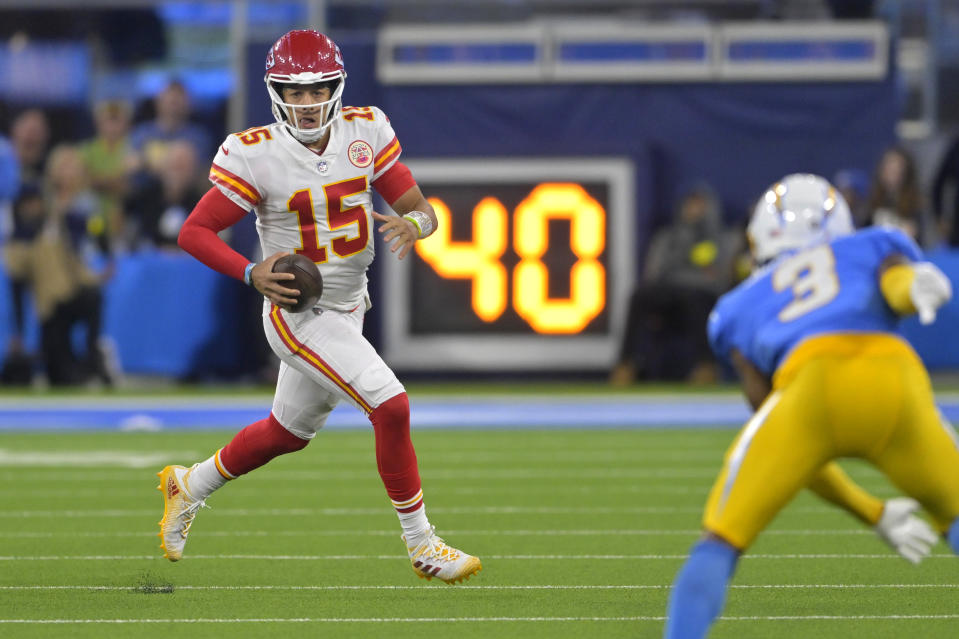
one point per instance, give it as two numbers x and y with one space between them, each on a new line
316 204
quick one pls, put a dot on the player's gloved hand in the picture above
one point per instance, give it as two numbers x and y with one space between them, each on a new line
930 290
908 535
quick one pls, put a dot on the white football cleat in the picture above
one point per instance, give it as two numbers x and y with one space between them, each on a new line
179 509
433 558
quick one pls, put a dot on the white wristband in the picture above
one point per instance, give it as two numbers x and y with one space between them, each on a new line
422 222
248 274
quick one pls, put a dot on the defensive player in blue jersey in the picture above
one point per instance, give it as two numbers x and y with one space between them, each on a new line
813 335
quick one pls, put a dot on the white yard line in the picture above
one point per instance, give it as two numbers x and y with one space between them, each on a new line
390 533
467 619
253 491
98 458
837 617
451 461
490 557
459 473
481 587
454 510
703 472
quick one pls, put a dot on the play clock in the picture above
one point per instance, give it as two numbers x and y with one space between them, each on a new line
530 267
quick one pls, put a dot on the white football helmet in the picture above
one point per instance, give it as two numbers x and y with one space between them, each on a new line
796 211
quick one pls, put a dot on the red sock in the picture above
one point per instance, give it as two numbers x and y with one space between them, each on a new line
395 457
257 444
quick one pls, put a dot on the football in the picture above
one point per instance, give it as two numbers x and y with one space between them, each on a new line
307 280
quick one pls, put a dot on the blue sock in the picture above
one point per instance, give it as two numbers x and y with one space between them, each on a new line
700 589
953 536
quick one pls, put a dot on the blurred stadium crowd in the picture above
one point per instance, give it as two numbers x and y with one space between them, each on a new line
75 204
74 197
696 258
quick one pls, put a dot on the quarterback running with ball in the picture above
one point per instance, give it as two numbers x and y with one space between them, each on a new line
308 179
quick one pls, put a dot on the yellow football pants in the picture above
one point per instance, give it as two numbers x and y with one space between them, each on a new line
865 396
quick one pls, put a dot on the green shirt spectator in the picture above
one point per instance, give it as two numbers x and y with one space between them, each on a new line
107 159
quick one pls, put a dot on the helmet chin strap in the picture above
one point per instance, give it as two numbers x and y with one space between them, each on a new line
307 136
328 110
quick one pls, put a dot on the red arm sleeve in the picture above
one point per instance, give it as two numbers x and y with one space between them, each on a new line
198 236
395 182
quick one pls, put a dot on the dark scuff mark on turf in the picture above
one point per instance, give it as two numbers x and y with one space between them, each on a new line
149 584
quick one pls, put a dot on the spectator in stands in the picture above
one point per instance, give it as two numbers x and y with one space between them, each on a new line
895 199
107 160
16 364
30 135
9 184
66 290
853 184
164 201
172 122
688 265
73 207
30 138
945 194
18 258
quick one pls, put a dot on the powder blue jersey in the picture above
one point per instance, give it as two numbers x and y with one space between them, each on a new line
832 287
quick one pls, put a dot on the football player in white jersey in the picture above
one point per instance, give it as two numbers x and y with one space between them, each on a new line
307 178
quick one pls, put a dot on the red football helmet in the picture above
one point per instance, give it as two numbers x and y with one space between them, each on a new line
305 56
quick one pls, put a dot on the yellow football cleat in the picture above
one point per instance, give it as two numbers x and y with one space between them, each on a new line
179 510
433 558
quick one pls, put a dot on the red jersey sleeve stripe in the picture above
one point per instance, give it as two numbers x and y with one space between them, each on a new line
385 156
226 183
386 149
238 185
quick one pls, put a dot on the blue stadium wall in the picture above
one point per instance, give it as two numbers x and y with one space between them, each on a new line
171 316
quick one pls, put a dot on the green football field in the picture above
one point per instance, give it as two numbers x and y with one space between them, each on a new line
580 534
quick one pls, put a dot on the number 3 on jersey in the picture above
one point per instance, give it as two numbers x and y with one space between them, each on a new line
812 277
336 217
